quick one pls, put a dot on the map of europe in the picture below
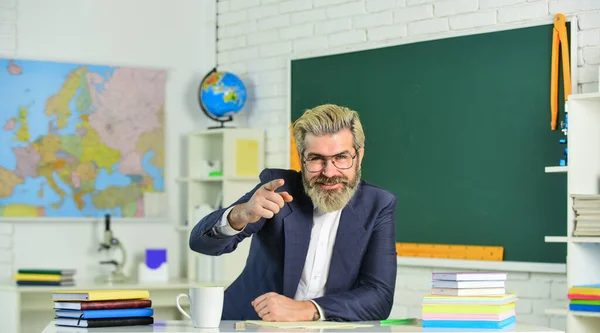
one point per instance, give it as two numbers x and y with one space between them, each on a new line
79 140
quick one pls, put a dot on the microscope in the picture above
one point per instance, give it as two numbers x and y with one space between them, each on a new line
111 242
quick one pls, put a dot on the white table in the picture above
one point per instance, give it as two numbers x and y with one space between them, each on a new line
29 308
229 327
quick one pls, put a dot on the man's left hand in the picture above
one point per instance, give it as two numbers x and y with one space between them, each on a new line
275 307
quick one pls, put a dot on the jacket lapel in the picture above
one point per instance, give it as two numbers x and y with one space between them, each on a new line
297 228
346 250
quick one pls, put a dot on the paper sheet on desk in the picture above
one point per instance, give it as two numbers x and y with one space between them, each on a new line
306 324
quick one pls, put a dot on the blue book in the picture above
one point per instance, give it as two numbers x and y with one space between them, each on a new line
109 313
45 283
469 323
584 307
508 328
593 285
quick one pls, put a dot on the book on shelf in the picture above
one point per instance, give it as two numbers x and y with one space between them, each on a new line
469 300
586 208
65 272
584 298
44 277
46 283
586 199
102 308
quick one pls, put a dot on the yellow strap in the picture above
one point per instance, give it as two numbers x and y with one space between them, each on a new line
294 157
559 37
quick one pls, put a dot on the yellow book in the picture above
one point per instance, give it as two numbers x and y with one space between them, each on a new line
467 309
585 290
40 277
98 295
473 300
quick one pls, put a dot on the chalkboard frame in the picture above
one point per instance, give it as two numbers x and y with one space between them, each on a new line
573 41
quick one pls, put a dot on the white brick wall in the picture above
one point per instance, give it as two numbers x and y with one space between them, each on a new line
8 27
6 251
268 32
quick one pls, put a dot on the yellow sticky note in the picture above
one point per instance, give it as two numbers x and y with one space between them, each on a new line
246 158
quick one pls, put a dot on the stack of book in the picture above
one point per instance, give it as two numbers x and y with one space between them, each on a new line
587 215
102 308
475 300
45 277
585 298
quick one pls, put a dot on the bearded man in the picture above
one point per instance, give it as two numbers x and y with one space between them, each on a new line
323 245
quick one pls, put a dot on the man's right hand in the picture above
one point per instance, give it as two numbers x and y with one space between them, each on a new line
265 202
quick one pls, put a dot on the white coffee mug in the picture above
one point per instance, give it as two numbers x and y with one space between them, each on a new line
206 306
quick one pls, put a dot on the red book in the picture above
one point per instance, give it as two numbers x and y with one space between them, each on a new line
102 305
585 297
104 322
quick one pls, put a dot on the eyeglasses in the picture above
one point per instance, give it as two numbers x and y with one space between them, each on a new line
316 163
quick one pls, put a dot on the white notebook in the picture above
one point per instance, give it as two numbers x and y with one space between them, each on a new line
469 276
469 291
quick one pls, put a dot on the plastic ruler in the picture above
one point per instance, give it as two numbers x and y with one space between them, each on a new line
450 251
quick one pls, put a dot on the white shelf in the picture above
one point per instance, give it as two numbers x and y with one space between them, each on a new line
505 266
556 239
583 253
585 314
585 239
240 155
556 169
567 239
216 131
199 179
594 97
565 312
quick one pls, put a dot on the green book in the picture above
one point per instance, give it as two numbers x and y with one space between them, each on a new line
47 271
586 302
403 321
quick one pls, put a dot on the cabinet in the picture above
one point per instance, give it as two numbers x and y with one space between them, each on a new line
583 177
222 165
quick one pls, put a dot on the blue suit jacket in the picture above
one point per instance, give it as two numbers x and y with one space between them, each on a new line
362 275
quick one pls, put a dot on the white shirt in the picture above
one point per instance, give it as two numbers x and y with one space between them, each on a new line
318 258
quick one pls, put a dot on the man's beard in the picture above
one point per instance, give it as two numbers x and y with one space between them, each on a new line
330 200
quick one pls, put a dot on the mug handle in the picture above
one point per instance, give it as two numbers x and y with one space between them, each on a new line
179 306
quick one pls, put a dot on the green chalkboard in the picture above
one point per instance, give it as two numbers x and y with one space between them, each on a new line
459 130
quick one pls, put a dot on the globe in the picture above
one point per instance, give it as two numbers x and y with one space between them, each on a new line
221 95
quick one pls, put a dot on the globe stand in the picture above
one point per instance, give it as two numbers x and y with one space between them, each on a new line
221 120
